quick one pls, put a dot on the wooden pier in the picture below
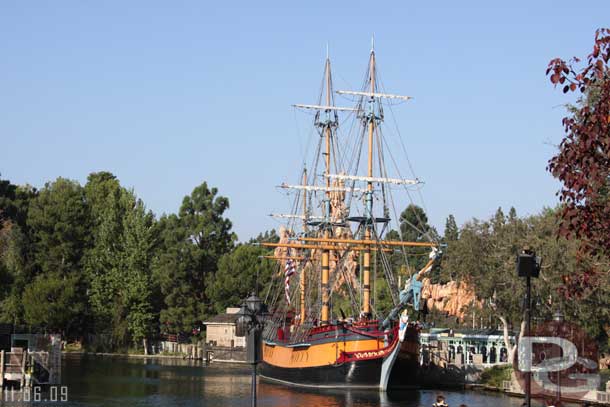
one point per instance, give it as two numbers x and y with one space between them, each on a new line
13 366
22 368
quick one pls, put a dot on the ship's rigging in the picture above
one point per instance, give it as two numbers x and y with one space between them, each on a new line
342 211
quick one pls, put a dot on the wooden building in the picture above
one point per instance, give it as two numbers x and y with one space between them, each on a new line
220 330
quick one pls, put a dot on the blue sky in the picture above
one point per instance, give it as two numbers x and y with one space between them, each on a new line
168 94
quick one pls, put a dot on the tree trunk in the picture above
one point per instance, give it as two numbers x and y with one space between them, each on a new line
511 349
145 342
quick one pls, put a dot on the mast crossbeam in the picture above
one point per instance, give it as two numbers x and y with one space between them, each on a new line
284 258
368 242
396 181
347 247
326 108
321 188
373 94
290 216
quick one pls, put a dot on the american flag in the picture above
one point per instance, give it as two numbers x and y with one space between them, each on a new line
289 270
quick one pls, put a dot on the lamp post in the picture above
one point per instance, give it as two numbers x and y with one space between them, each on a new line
528 266
558 319
250 324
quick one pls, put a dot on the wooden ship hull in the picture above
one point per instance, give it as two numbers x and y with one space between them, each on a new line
337 356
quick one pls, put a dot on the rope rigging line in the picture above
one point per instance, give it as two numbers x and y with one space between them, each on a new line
423 232
404 151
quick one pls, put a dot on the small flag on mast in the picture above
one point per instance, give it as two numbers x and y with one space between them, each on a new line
289 270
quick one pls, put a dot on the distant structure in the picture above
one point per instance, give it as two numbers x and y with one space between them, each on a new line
478 347
222 342
29 359
220 330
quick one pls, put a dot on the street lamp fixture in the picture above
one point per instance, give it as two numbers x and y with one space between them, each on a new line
251 321
528 266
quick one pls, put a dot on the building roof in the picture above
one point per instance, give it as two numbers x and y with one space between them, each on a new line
222 319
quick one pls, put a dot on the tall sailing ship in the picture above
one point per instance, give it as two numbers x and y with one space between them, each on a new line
327 330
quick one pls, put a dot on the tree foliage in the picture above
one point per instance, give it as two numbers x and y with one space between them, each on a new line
240 272
89 259
53 301
414 225
582 163
60 224
451 229
174 267
138 243
104 194
192 244
484 256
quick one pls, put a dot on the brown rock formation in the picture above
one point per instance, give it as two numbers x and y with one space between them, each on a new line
452 297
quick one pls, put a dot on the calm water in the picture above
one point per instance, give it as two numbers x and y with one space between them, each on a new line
111 381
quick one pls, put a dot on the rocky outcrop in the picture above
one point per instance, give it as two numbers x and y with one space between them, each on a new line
604 362
452 298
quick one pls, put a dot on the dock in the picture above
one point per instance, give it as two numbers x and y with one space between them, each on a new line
31 360
21 368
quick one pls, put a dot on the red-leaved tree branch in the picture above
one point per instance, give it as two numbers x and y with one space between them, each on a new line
583 161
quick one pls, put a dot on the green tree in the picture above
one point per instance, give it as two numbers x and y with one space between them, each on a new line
118 264
17 270
53 302
414 225
138 243
268 236
191 246
485 254
201 214
60 224
107 209
451 229
14 202
239 273
16 249
173 269
512 214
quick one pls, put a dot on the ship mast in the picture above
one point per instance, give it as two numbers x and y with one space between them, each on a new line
302 280
366 278
324 318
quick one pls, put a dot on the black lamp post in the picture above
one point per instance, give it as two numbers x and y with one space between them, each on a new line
558 319
250 324
528 266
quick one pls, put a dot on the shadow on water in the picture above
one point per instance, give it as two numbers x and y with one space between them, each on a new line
116 381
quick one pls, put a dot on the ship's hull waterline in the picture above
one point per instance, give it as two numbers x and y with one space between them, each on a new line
344 358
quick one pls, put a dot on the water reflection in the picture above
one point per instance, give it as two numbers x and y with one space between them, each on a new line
277 395
111 381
